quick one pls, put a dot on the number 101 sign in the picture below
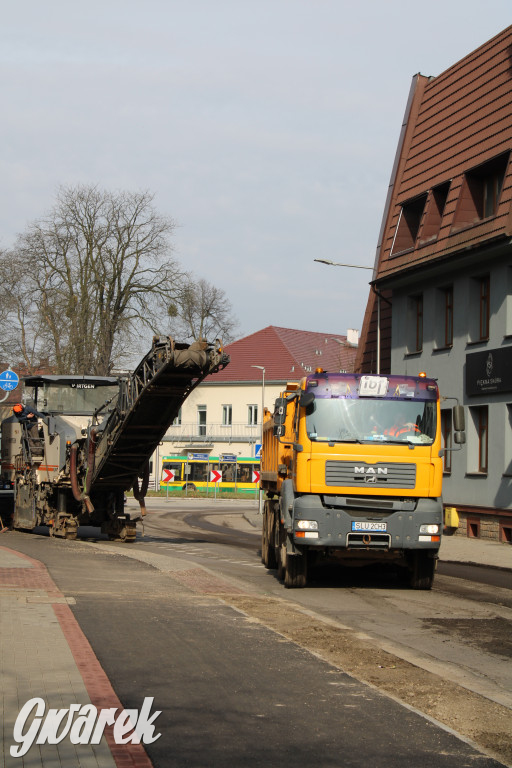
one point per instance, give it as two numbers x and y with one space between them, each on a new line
373 386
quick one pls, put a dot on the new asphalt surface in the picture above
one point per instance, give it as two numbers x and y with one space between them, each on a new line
90 627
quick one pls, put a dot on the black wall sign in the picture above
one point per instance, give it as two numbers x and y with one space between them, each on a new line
489 371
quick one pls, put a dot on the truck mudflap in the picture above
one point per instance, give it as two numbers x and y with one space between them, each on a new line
413 524
24 504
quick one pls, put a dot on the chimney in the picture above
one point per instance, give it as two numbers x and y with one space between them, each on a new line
353 337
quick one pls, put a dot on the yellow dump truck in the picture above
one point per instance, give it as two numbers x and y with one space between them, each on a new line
352 470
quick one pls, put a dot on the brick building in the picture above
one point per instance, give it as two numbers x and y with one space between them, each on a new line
441 298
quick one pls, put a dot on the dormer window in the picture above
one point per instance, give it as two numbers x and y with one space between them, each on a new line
480 193
434 213
408 225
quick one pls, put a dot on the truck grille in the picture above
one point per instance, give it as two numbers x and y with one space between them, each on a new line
351 473
368 541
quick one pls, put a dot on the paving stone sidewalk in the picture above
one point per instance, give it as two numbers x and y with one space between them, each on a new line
44 654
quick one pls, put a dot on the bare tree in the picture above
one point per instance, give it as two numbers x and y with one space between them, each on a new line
202 311
79 283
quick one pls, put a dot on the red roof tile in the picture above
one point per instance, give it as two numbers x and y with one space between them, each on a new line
286 354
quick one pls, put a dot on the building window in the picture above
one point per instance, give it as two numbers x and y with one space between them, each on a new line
443 321
201 420
491 188
227 415
479 439
446 431
177 420
484 289
480 192
408 225
252 415
434 211
507 453
508 302
479 306
483 438
415 324
448 316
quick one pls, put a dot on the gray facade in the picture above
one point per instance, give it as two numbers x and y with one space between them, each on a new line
474 365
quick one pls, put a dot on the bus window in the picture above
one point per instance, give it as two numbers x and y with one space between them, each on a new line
244 473
198 472
228 473
173 467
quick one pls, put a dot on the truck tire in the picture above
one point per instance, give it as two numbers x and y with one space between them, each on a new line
268 552
281 561
292 569
421 569
295 574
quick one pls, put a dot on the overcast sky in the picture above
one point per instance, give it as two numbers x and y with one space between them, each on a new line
266 129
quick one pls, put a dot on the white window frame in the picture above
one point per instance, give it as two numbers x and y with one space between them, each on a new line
252 414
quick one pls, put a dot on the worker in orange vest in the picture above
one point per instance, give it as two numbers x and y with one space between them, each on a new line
402 427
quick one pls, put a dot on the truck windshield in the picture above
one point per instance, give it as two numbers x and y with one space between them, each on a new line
73 399
376 420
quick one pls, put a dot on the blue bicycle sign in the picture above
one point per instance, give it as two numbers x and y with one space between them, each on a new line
9 380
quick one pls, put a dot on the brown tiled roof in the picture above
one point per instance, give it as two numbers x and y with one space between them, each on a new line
286 354
463 118
454 122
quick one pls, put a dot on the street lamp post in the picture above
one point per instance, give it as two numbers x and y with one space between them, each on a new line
360 266
262 369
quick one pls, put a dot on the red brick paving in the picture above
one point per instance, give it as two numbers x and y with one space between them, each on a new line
98 686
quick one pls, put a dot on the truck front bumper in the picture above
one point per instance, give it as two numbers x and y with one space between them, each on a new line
321 521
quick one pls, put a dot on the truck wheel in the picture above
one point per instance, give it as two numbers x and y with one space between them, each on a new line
268 553
295 575
421 569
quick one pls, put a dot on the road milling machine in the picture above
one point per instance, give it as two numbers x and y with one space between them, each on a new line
96 437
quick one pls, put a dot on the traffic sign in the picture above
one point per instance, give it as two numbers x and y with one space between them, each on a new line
9 380
228 457
215 476
168 476
257 451
255 476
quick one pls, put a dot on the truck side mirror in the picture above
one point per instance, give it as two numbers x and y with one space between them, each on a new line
459 421
278 430
459 425
306 398
279 412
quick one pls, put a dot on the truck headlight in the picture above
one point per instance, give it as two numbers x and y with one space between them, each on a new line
307 525
429 529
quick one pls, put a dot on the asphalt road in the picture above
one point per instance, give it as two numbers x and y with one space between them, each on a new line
232 692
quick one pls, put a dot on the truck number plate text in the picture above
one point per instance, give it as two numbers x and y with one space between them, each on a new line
362 526
373 386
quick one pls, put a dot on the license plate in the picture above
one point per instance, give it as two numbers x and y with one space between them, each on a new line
362 526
